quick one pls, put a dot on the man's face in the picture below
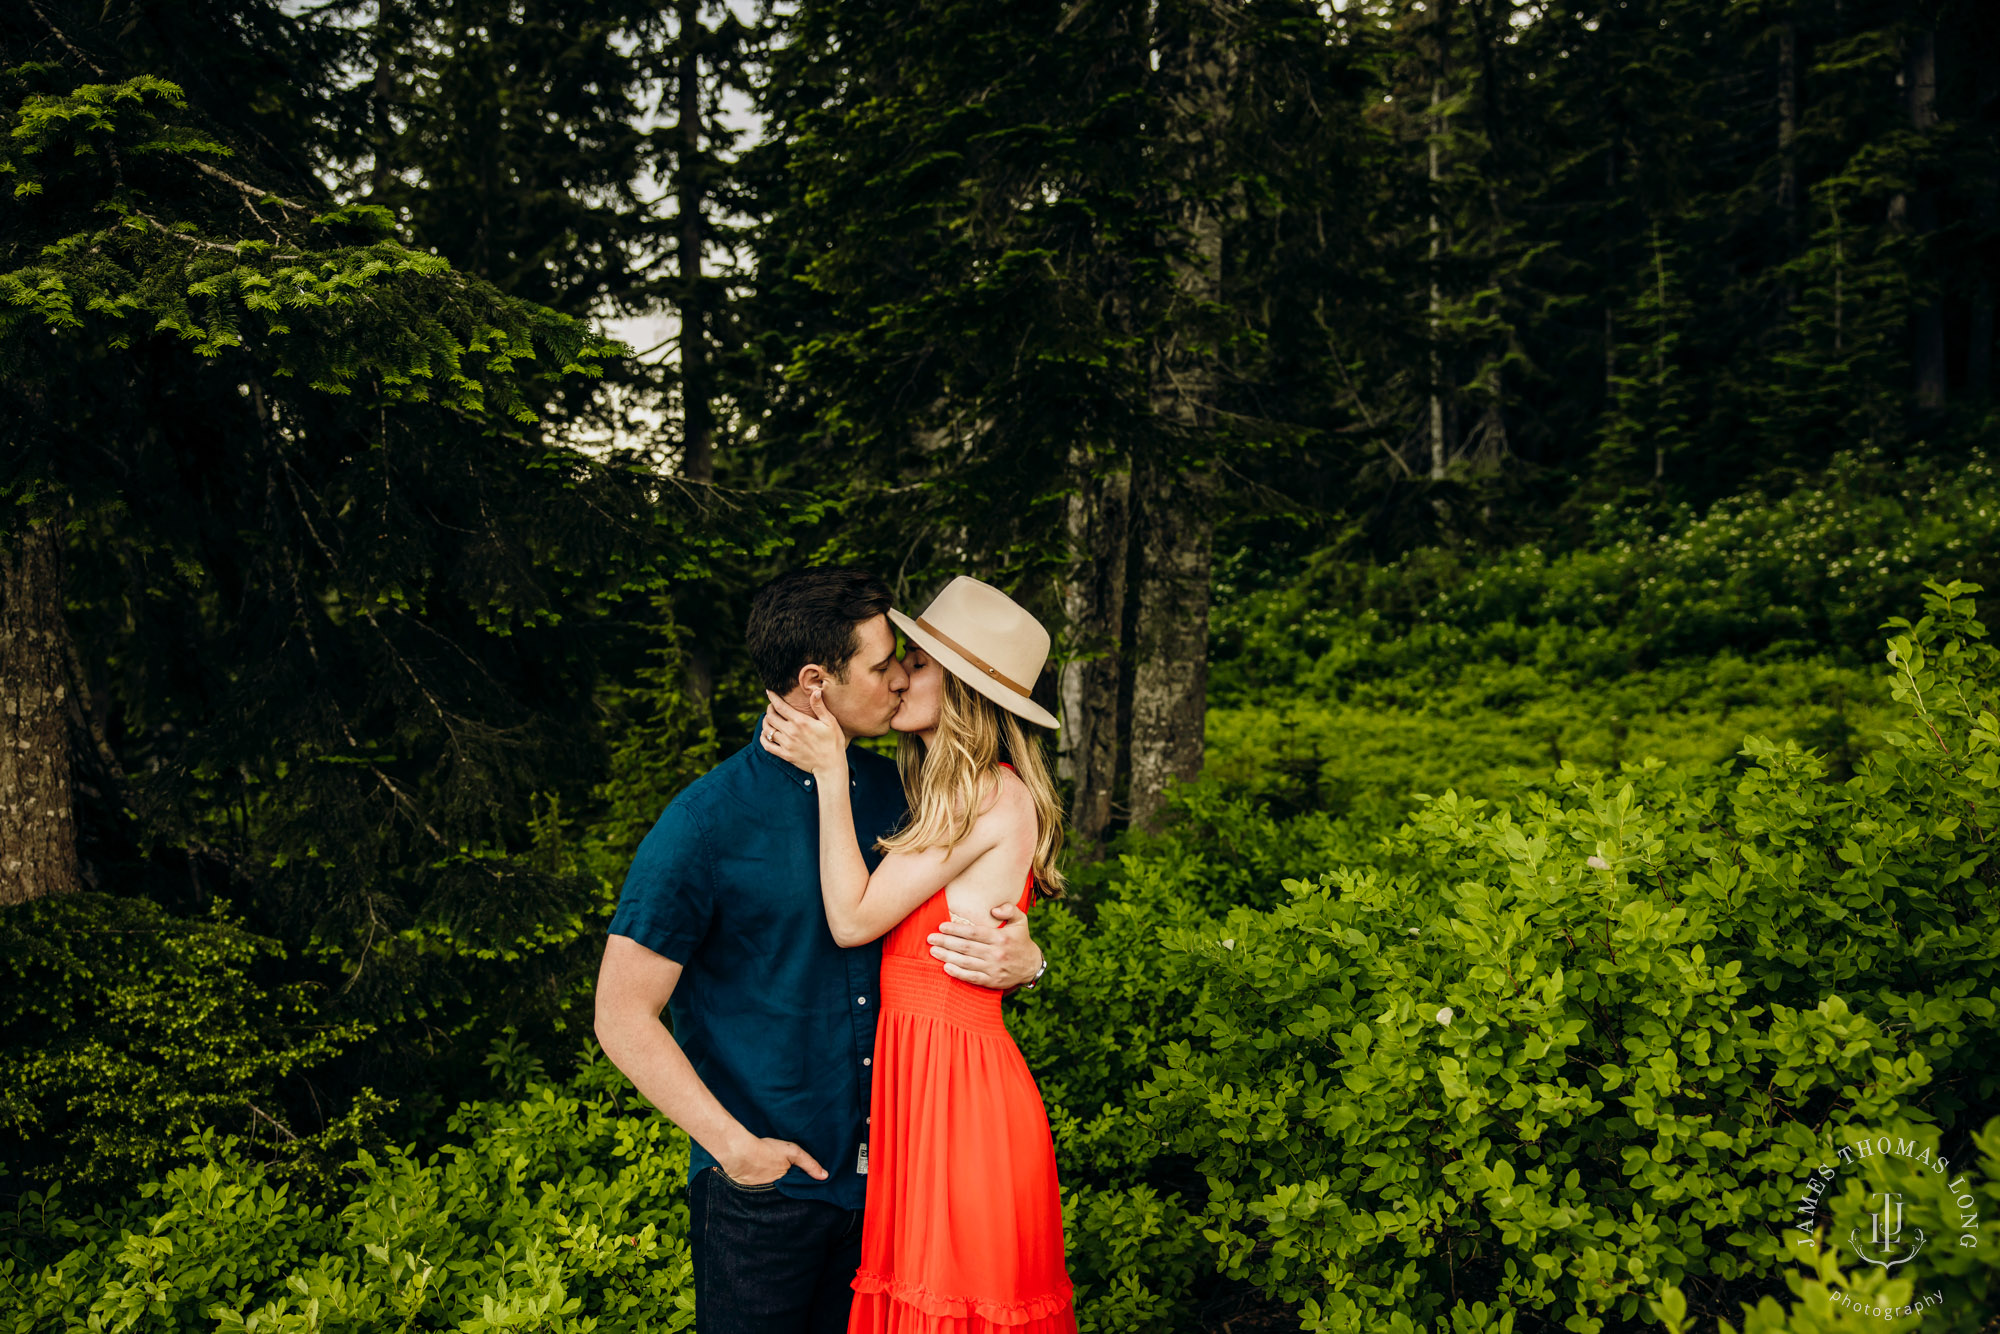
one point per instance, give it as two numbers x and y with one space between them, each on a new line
864 703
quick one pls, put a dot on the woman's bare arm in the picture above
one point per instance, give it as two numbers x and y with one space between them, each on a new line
861 907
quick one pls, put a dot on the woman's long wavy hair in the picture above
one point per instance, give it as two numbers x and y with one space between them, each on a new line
949 782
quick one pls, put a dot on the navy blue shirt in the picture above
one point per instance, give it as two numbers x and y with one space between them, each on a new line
777 1020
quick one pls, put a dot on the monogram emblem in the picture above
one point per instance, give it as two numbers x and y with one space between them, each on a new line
1885 1234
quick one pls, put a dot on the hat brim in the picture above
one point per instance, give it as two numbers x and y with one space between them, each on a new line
954 662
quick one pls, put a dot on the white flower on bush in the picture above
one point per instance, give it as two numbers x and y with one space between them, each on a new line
1597 863
1228 943
1444 1016
1416 931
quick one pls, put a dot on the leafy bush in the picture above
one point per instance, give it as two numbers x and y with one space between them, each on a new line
1814 571
1557 1057
1829 1299
562 1209
1477 732
123 1029
1579 1046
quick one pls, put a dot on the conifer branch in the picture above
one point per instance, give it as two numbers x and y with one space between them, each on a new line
68 45
247 190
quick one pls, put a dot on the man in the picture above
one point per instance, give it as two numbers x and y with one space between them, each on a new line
768 1062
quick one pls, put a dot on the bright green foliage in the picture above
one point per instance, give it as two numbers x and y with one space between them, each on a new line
331 297
1962 1249
123 1029
1812 571
1350 688
562 1210
1479 729
1559 1060
1555 1052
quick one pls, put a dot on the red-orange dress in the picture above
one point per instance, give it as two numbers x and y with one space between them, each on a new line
963 1231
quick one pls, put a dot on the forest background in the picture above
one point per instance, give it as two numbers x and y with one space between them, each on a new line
1472 453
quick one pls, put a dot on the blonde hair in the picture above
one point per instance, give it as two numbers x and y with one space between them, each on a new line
947 783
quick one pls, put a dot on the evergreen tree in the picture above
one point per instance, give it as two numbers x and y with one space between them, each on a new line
1036 335
309 596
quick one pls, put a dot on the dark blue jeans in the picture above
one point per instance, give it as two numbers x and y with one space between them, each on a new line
765 1263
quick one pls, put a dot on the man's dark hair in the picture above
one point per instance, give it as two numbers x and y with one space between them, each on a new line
811 615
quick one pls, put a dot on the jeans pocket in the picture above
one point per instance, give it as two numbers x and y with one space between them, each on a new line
739 1187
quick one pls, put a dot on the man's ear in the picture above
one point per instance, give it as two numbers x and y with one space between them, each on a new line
813 677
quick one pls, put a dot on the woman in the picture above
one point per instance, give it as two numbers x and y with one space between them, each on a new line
963 1227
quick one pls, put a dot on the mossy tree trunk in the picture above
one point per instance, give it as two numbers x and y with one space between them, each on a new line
1099 523
1173 508
37 788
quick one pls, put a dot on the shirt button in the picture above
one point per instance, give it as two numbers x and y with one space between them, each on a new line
809 782
868 1060
860 1000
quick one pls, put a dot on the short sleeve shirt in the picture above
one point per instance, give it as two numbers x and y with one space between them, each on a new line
777 1019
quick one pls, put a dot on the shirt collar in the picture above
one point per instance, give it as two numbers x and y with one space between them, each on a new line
784 768
770 763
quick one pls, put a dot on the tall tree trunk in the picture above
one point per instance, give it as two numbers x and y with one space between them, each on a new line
1788 153
1927 325
1979 331
1434 423
1435 426
1979 322
1172 511
383 45
1659 350
1099 522
37 788
1176 532
698 423
1788 127
1610 259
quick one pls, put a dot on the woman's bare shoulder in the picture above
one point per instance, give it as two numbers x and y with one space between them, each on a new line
1011 806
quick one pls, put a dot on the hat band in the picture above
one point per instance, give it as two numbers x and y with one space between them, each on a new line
971 657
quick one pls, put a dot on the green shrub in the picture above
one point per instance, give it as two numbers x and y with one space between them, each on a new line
564 1209
1543 1058
1814 571
1825 1295
1366 755
1555 1056
124 1029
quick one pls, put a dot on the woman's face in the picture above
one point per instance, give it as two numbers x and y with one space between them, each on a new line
923 701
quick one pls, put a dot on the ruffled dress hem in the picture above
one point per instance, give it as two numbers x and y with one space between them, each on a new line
925 1311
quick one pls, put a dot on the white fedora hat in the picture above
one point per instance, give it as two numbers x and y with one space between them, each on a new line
987 640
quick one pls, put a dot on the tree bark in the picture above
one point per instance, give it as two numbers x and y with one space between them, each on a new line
1435 425
1610 290
1172 513
1099 521
38 854
381 97
1788 129
1927 325
1979 331
1170 675
1434 422
698 422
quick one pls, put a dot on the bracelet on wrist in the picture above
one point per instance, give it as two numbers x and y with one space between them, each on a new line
1031 983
